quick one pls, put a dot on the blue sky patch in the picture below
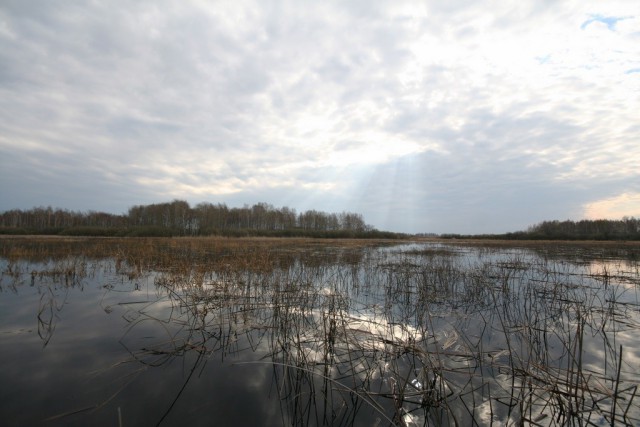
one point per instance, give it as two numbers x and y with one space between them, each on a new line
611 21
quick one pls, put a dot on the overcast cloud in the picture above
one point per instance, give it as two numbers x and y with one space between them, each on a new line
434 116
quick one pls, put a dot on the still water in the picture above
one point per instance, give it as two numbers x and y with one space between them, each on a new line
322 334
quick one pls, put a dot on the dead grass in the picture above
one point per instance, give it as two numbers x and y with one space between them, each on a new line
417 336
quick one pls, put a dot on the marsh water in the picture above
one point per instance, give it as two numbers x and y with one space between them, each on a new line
300 332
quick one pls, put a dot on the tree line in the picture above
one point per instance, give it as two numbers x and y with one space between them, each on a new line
627 228
178 218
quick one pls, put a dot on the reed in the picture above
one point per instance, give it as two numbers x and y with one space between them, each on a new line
433 335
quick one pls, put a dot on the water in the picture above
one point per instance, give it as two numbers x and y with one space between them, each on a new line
280 334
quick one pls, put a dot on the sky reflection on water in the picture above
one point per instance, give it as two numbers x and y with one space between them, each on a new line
291 345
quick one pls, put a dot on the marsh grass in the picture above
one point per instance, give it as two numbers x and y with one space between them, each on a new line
427 335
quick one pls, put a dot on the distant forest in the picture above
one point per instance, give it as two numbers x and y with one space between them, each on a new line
627 228
177 218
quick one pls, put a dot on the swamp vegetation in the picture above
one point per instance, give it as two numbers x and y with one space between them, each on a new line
168 331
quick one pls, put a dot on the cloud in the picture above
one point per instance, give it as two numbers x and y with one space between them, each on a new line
424 116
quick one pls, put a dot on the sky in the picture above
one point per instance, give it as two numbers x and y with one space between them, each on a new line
425 117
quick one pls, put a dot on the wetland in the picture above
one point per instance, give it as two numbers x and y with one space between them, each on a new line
276 331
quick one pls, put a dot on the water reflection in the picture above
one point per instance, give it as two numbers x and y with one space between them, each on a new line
262 335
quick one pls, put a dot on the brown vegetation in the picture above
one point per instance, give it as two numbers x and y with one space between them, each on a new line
420 335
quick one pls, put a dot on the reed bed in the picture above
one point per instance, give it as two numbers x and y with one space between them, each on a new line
366 333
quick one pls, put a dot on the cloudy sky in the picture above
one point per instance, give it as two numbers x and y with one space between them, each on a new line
432 116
